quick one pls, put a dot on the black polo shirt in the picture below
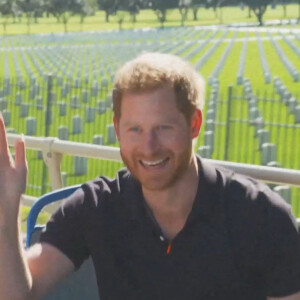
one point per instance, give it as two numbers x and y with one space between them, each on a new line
240 240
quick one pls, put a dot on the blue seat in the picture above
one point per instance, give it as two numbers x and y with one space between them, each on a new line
81 284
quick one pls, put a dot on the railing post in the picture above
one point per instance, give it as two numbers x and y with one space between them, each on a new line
47 129
227 136
52 160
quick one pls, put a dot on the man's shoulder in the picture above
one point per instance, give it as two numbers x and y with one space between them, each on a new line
252 204
244 197
105 189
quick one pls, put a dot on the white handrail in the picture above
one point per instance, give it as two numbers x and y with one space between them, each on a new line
53 148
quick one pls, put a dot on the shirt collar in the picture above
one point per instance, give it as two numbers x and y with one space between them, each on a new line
207 196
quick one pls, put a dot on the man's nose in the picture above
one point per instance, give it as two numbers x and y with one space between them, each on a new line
150 142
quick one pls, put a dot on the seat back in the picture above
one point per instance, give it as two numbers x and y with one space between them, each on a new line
81 284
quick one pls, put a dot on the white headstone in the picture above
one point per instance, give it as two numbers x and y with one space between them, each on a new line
6 117
3 104
90 114
74 102
111 134
77 124
24 109
31 126
98 139
63 133
18 99
263 137
101 107
268 153
85 96
285 192
80 165
204 151
62 108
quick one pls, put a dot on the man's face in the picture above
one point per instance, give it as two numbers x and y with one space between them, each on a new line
155 137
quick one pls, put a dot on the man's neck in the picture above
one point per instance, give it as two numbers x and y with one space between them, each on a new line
172 206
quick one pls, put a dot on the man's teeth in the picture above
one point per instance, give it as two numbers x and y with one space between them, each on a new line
153 163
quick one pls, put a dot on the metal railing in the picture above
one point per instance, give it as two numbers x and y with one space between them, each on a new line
53 149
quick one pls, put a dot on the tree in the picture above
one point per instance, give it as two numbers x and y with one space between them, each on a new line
81 8
134 7
109 6
61 10
32 9
183 6
161 8
259 7
196 4
6 12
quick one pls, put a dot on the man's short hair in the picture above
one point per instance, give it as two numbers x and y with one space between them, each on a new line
151 71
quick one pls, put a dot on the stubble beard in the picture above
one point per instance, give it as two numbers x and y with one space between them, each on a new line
182 164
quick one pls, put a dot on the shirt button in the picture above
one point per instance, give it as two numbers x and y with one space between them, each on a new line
162 238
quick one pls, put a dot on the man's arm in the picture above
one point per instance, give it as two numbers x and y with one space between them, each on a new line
47 266
22 276
291 297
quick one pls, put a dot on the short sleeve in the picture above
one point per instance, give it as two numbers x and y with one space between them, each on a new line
65 229
283 255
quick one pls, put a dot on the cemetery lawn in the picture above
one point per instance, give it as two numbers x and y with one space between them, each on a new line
145 19
93 57
42 218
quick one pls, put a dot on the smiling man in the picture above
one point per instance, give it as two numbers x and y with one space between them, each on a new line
169 226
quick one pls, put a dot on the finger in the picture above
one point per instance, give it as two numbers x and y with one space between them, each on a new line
20 154
3 139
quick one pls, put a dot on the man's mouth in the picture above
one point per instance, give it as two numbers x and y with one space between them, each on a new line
154 163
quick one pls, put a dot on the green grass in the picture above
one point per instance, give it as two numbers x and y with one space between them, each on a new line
146 18
42 218
112 49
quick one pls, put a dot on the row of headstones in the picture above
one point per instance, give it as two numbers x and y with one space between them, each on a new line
207 149
77 128
209 52
27 66
267 149
6 65
6 88
204 42
197 35
218 68
287 98
98 139
240 72
94 90
63 133
183 48
17 68
48 63
37 63
90 112
291 45
287 63
263 60
24 109
285 192
75 100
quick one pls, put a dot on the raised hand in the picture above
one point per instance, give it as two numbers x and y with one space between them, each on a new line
12 175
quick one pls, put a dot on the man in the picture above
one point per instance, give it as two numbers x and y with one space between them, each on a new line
173 226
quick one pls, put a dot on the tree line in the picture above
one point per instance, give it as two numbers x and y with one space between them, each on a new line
62 10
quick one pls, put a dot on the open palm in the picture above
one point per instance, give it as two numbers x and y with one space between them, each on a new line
12 173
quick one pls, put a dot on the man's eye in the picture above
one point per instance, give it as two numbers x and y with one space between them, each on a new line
163 127
134 129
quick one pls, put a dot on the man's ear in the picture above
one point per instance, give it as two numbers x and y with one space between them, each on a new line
196 122
116 125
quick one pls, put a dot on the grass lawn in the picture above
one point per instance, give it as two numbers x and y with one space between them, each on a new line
146 18
94 57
